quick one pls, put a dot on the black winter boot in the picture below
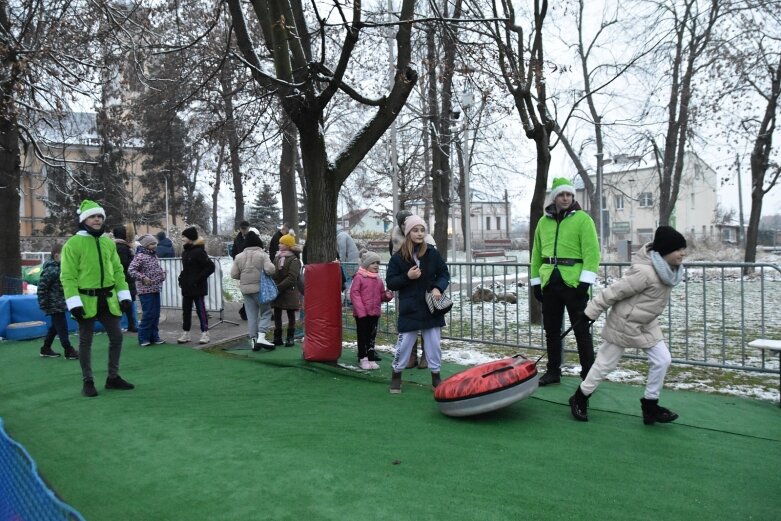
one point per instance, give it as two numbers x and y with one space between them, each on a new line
436 379
395 385
550 377
291 332
578 404
278 337
652 413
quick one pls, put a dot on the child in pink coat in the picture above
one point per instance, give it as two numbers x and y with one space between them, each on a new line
367 294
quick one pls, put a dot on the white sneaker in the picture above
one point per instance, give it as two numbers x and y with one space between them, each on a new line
366 365
262 341
204 338
184 338
375 365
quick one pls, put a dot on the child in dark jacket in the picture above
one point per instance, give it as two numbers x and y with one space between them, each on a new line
149 277
412 271
125 250
367 293
51 300
196 269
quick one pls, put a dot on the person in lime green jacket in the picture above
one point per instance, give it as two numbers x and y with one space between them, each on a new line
95 288
564 264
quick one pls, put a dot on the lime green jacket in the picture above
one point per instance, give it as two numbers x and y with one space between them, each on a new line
574 237
92 263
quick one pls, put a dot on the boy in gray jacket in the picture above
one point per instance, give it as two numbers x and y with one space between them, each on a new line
636 300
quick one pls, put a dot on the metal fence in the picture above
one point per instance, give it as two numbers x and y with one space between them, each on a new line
710 318
171 294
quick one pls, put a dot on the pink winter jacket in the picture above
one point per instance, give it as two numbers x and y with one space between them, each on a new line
367 294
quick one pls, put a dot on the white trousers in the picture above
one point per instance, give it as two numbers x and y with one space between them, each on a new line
607 359
406 341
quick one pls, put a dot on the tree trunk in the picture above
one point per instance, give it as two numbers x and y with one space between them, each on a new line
536 211
321 231
233 147
10 176
287 171
217 183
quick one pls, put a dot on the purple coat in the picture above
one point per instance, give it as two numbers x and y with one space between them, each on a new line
367 295
145 264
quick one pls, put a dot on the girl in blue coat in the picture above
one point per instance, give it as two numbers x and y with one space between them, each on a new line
412 271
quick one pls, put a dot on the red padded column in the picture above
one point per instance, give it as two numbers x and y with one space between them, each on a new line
323 312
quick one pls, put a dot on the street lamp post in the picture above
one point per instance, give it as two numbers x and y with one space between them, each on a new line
600 215
167 222
631 209
467 101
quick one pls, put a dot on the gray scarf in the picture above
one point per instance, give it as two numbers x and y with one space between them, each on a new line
669 276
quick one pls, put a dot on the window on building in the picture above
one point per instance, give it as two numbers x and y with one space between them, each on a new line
487 222
646 199
645 235
498 223
619 201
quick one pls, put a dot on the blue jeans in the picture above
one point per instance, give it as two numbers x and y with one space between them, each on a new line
258 316
150 318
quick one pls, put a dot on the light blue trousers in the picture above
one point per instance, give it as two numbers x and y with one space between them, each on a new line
431 339
258 316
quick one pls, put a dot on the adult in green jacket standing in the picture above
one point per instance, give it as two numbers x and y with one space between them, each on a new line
564 264
95 288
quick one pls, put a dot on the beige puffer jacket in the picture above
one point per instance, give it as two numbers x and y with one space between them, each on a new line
246 268
637 300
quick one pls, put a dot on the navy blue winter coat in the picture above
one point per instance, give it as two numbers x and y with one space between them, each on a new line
413 311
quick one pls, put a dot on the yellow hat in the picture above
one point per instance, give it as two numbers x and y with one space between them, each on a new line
288 240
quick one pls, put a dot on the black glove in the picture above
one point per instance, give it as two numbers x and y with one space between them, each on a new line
583 288
538 292
77 313
586 320
126 305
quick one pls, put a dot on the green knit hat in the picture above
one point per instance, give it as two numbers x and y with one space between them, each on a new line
561 185
89 208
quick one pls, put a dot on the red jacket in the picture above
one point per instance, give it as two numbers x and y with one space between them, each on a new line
367 294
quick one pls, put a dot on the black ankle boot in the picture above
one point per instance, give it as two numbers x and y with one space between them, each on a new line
549 378
653 413
278 337
436 379
290 337
578 404
395 385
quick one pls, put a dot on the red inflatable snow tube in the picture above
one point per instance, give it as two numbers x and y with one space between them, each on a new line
323 312
487 387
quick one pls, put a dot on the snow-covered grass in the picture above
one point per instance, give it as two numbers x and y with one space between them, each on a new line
706 314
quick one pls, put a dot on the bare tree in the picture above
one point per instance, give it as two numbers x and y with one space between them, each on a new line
306 87
751 48
48 55
692 25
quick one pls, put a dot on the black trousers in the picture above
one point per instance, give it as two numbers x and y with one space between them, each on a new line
557 297
367 332
59 328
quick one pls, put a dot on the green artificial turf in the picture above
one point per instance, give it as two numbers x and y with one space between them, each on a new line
267 436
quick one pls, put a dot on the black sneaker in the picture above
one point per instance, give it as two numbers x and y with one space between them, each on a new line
46 352
550 378
118 383
88 389
71 354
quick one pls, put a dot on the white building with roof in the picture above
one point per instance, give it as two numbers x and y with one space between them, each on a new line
630 200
